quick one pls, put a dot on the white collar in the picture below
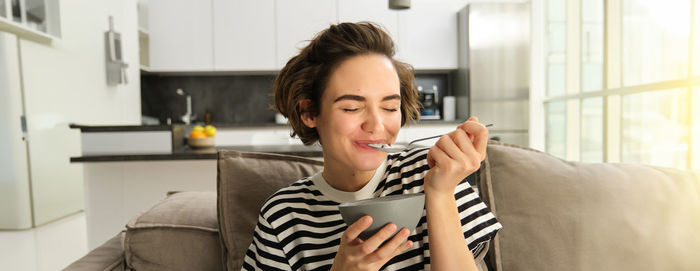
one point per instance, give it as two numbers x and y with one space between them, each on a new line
336 195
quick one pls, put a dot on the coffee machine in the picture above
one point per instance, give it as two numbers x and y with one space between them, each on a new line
430 101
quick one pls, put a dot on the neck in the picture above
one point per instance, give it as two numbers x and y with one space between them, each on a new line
346 179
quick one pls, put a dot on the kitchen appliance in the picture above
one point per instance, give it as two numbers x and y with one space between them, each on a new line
430 102
115 65
493 77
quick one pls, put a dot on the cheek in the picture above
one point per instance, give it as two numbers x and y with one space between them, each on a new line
341 124
394 124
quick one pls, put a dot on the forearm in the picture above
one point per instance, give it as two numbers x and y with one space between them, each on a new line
448 248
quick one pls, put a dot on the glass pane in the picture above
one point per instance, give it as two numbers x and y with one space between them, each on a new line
696 40
592 38
36 14
16 14
592 130
556 11
556 79
655 36
556 47
556 128
655 128
695 132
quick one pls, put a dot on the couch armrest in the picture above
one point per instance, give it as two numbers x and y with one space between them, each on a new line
107 257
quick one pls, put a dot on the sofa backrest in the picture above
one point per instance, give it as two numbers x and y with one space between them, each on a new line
561 215
245 180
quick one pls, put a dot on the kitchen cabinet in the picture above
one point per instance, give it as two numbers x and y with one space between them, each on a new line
244 35
180 35
428 35
250 35
298 21
15 199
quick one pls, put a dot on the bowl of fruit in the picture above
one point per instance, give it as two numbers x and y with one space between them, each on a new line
202 136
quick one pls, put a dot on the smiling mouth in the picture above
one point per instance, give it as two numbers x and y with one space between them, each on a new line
368 145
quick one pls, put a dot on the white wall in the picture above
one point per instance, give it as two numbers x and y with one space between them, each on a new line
65 82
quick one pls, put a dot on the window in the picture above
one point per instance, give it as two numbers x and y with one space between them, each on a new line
632 68
37 20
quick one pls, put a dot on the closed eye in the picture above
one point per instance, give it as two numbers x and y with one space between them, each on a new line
350 109
391 109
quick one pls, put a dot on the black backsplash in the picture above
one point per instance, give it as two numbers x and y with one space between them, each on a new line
234 99
230 99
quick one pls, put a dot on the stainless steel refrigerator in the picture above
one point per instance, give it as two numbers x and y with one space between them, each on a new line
493 79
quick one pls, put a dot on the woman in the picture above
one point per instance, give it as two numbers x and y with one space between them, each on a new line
346 91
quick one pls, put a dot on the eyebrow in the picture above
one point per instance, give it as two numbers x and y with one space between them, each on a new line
362 99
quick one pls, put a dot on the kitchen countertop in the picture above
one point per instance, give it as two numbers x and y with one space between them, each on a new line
162 127
165 127
187 153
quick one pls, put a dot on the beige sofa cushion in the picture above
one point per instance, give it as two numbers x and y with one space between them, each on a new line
245 181
560 215
179 233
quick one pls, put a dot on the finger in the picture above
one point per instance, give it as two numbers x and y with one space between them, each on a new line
431 161
354 230
449 146
372 243
405 246
462 141
389 249
439 156
480 134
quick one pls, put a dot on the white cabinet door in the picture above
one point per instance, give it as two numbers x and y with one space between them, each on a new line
298 21
428 35
244 35
15 199
370 10
180 35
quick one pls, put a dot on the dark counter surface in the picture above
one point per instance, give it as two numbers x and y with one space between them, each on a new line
187 153
119 128
164 127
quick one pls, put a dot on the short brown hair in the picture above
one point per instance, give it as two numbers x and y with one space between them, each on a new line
306 75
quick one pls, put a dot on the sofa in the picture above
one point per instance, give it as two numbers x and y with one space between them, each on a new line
556 215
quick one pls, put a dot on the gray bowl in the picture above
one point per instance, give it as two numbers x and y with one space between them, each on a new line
403 210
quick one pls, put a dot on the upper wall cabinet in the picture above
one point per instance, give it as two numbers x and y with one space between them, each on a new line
298 21
428 35
262 35
180 35
244 35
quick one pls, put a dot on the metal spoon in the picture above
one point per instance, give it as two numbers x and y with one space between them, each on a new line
394 148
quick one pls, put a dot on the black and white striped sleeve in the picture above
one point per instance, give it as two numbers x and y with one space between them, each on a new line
265 252
479 225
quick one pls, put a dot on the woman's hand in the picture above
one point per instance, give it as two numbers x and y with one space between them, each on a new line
455 156
356 254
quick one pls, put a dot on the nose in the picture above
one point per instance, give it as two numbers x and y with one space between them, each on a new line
373 122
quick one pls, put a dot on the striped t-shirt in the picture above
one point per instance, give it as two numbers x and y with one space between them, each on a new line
299 227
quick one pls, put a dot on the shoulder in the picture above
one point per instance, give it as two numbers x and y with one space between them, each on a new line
296 192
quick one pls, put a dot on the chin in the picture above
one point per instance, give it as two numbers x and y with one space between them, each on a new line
369 161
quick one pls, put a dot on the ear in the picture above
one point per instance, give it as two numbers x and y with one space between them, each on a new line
306 116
